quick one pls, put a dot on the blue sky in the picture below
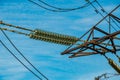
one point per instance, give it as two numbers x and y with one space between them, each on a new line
46 56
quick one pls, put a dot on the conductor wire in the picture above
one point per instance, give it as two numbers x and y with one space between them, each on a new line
67 9
57 9
103 10
96 10
19 60
22 54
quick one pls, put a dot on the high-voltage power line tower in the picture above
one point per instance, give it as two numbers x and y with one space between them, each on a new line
108 41
95 41
88 44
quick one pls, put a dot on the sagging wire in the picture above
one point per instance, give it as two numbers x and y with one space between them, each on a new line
67 9
57 9
19 60
21 52
39 34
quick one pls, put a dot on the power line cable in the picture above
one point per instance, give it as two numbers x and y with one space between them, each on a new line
115 17
13 26
68 49
98 12
19 60
101 8
22 54
110 18
67 9
14 31
104 11
70 9
115 23
43 6
57 9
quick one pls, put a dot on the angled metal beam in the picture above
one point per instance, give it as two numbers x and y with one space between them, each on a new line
96 41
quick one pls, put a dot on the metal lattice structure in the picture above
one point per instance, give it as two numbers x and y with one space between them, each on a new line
107 42
106 76
88 44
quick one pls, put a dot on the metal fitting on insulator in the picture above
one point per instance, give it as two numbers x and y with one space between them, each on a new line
114 65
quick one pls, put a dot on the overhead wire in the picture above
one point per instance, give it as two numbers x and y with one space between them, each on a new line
68 49
116 18
22 54
45 3
110 15
45 7
18 27
111 62
14 31
19 60
57 9
104 11
63 10
115 22
98 12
